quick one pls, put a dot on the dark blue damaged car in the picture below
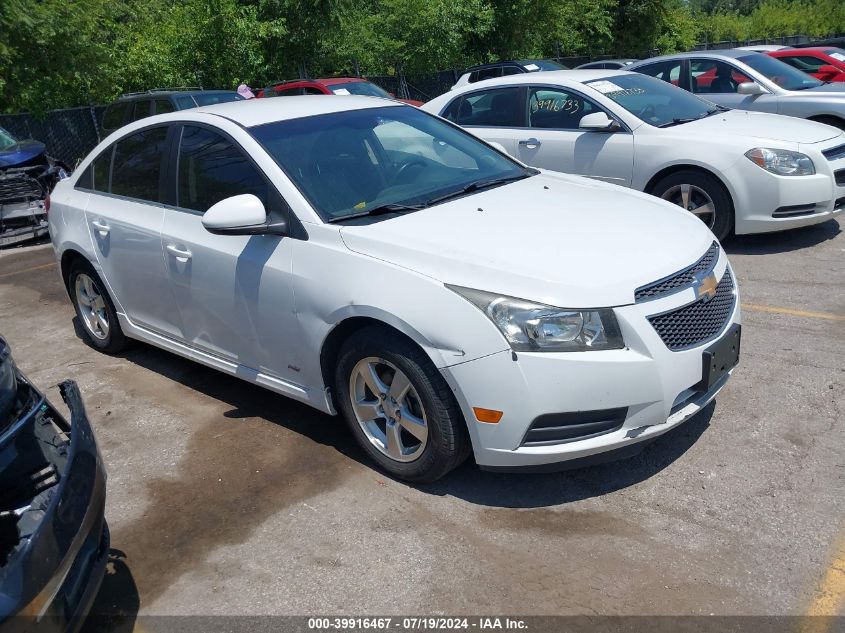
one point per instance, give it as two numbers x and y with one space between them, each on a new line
27 176
53 536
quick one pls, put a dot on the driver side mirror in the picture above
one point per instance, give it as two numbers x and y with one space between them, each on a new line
828 71
750 88
243 214
598 122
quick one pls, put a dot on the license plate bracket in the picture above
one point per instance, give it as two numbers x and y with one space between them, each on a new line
718 359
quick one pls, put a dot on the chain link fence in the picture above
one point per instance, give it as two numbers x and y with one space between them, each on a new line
68 134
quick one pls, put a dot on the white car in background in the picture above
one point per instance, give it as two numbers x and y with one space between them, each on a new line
736 170
363 256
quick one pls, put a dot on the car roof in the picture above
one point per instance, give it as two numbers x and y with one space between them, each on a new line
331 81
250 112
806 49
727 53
580 75
167 93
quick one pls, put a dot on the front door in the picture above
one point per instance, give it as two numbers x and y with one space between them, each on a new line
718 81
234 292
554 141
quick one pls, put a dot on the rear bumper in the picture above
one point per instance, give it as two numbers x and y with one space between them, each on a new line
52 578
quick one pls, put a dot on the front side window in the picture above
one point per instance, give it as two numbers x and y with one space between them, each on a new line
211 168
185 102
498 107
354 162
552 108
713 76
286 92
136 166
651 100
777 72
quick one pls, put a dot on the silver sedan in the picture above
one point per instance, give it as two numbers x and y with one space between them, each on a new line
747 80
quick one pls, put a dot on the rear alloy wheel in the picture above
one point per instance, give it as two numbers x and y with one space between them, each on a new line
398 406
702 195
95 310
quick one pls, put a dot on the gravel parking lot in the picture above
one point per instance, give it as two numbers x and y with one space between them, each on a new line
224 498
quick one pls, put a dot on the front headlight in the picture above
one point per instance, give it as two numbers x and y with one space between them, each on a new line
782 162
534 327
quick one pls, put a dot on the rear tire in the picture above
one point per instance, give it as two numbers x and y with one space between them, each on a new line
95 310
702 194
399 407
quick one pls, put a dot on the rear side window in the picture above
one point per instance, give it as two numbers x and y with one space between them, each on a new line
205 98
136 167
101 168
114 115
211 168
669 71
162 106
489 73
141 110
185 102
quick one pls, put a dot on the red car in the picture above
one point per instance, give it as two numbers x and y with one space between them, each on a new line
822 62
333 86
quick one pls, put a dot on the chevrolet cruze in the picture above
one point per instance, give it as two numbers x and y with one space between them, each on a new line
368 258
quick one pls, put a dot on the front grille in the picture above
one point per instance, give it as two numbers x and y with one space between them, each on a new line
560 428
697 322
840 177
19 187
834 153
680 279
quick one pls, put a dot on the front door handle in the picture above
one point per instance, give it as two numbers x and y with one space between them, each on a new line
101 227
530 143
182 255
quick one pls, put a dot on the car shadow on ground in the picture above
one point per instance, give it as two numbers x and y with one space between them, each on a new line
116 605
468 482
782 241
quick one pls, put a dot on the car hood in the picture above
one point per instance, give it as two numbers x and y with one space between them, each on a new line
825 90
557 239
20 153
760 125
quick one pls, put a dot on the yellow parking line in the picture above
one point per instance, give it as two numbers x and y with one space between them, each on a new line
26 270
830 597
829 316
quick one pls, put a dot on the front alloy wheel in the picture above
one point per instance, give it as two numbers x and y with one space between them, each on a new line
695 200
703 195
388 409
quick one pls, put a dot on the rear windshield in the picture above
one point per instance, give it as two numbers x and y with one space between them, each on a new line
359 88
782 74
6 139
837 53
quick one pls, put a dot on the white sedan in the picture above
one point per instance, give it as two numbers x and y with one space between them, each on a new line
363 256
736 170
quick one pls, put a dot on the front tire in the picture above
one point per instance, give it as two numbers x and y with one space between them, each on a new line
95 310
399 407
701 194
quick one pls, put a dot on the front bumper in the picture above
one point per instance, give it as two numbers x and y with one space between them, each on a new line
765 202
52 578
656 387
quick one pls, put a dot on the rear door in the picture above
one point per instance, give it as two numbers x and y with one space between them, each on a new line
554 140
124 217
495 114
234 292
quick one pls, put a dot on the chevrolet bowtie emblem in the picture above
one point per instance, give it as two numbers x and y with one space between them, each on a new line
705 287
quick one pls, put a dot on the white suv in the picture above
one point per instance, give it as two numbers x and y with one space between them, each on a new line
366 257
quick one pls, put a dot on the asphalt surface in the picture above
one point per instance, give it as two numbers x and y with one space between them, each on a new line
224 498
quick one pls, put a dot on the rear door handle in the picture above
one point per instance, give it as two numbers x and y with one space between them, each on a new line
530 143
101 227
182 255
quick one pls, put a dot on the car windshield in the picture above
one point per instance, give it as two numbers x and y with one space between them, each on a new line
205 98
6 139
397 158
778 72
359 88
652 100
837 53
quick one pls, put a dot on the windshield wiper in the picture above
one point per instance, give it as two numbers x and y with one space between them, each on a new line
382 209
481 184
679 121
